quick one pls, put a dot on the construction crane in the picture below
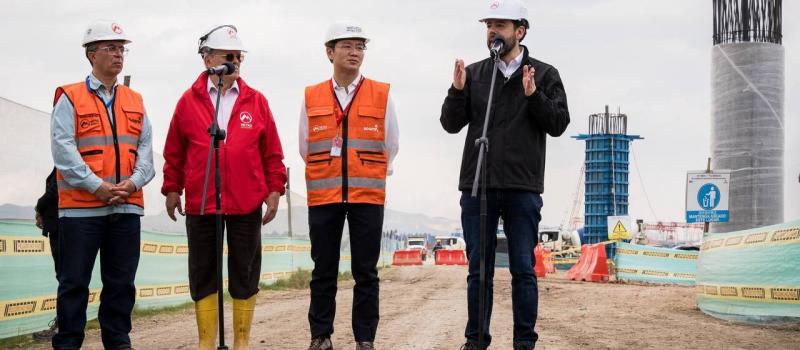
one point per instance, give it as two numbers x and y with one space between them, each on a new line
572 221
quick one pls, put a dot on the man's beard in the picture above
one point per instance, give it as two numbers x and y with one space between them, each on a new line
508 44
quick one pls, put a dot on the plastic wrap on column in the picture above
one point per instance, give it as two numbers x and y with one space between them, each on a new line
747 131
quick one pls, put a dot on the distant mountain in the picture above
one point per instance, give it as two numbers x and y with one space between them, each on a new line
393 220
17 212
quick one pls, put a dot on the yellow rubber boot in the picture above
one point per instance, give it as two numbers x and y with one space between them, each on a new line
206 313
242 317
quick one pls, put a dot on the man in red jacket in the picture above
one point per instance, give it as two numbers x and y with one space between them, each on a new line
252 171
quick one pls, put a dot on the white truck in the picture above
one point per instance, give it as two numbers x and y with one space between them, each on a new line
418 243
557 240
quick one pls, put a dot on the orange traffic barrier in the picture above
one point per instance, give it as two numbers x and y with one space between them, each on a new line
406 257
572 273
592 265
538 266
450 257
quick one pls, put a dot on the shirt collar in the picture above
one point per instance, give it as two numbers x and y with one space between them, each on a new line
95 84
515 62
350 87
213 87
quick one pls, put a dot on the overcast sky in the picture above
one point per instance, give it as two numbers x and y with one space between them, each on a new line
651 59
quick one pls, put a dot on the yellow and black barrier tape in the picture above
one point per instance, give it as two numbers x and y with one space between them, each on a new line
656 273
24 246
40 246
784 236
21 308
676 255
774 294
28 307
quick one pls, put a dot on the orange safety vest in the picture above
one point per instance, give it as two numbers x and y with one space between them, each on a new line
363 179
110 151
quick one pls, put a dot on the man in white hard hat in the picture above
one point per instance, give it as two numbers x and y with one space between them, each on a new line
252 171
102 150
348 139
529 103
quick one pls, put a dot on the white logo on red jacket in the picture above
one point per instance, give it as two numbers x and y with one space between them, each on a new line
247 120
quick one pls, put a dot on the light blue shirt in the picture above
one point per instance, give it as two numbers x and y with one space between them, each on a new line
76 173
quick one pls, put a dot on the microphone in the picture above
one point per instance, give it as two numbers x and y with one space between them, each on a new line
497 46
226 68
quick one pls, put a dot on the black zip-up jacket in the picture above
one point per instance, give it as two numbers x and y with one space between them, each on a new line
517 126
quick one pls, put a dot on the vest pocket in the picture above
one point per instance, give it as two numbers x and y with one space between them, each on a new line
132 155
88 124
319 158
135 119
94 160
371 158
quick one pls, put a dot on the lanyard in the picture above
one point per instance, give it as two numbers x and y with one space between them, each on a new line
109 103
344 112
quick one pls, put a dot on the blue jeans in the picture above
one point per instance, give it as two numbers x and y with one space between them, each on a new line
117 238
520 211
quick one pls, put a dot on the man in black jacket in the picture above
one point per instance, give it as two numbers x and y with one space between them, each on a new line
47 221
529 103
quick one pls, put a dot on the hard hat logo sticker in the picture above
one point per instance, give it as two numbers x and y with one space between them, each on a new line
494 5
116 28
231 33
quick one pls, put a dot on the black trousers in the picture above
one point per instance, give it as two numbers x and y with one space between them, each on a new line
243 233
117 238
326 223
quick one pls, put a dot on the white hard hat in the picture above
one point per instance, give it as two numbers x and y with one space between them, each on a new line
224 37
513 10
345 30
103 30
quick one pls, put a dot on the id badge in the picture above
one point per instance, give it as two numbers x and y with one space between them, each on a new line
336 147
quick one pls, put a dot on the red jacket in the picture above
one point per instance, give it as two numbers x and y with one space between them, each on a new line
251 158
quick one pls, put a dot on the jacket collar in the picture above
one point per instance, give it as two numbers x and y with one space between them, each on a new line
200 86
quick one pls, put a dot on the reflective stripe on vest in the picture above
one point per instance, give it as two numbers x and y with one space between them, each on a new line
335 182
365 147
109 150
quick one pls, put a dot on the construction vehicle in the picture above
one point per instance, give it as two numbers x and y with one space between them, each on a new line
559 240
418 243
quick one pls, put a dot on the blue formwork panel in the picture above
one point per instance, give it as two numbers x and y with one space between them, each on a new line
606 168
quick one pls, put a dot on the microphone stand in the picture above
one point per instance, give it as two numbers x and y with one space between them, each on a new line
480 174
216 135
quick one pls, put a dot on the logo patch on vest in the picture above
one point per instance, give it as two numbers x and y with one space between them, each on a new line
371 128
88 121
318 128
247 120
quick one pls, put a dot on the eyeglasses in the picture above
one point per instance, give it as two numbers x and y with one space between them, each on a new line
114 49
229 56
350 47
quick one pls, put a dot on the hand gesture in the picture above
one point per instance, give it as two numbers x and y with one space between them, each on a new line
122 191
459 75
528 82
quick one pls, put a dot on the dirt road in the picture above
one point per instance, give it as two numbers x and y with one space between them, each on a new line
424 308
